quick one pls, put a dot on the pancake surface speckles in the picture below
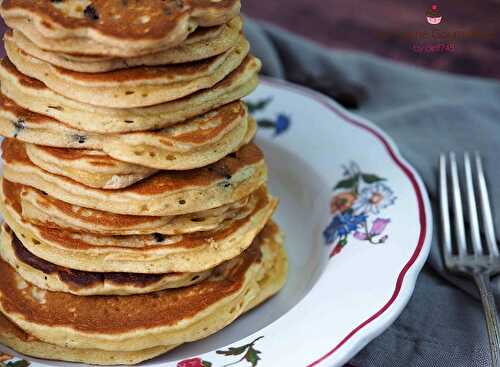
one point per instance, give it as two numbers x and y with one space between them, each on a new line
31 127
201 44
35 96
41 209
165 193
196 143
113 27
181 315
89 167
135 87
150 254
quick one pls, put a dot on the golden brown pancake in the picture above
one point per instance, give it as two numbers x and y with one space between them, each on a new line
46 275
165 193
20 123
14 337
149 254
126 323
197 142
35 96
201 44
40 208
92 168
139 86
130 157
113 27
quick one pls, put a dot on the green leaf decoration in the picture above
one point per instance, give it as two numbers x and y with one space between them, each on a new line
348 183
252 356
371 178
258 105
233 351
206 364
343 242
266 123
19 363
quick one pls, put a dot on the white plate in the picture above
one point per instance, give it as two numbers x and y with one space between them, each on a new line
332 306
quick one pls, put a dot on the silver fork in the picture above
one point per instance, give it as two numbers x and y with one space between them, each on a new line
472 260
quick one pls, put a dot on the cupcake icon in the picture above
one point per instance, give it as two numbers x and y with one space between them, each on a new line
433 15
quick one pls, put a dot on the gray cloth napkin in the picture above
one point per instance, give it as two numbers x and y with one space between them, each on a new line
426 113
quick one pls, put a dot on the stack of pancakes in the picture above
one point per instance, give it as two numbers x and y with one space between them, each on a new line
136 211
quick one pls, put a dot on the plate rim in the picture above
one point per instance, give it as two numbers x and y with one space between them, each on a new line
407 277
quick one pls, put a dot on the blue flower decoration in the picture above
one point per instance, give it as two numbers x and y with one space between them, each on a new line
280 125
342 224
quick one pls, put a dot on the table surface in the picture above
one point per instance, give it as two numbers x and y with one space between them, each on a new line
398 29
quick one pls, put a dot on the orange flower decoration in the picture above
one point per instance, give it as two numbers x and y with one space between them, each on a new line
5 357
342 202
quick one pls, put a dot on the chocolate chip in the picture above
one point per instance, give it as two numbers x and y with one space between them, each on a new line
56 1
159 237
91 12
179 4
222 170
79 138
19 125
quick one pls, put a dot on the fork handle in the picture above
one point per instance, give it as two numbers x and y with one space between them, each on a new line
482 280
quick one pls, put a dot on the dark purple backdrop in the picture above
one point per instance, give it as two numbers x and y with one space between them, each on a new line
387 28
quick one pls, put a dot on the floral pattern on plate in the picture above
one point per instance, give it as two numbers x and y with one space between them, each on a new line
6 360
247 352
279 124
358 201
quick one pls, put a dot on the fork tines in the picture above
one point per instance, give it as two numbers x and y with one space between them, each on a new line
463 248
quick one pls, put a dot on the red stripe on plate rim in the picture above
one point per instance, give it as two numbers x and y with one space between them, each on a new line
326 102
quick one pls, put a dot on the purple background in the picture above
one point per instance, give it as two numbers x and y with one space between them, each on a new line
383 27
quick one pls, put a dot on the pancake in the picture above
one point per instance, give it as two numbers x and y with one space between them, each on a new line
201 44
89 167
198 143
113 27
46 275
17 122
165 193
126 323
148 254
150 148
140 86
35 96
14 337
41 209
